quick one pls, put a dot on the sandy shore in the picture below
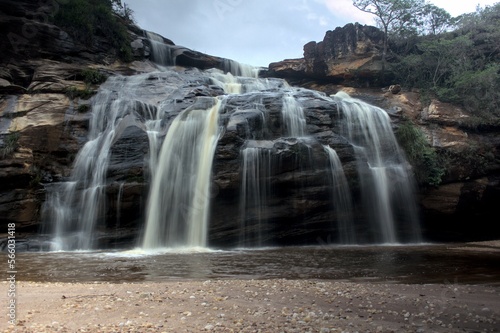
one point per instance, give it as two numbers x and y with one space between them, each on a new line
254 306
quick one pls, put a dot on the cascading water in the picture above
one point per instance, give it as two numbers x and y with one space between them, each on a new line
74 207
239 69
342 201
181 122
161 53
255 191
386 185
293 117
177 213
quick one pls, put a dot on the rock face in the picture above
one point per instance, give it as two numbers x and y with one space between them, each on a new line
44 106
463 206
345 53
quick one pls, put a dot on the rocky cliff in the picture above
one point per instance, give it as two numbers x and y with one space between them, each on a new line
349 59
44 118
47 78
347 53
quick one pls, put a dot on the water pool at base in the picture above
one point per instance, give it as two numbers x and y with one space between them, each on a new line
450 263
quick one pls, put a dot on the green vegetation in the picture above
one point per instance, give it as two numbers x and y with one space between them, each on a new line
74 92
426 164
474 159
93 76
83 108
90 76
85 20
36 176
392 15
456 60
10 145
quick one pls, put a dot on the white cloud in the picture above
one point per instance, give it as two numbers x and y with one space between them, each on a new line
456 8
345 11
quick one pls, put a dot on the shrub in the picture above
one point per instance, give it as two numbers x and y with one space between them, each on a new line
427 168
74 92
85 19
93 76
10 145
83 108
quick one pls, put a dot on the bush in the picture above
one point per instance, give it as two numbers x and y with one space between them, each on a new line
427 168
85 19
83 108
10 145
73 92
460 67
93 76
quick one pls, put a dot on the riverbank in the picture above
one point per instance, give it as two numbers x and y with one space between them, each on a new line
274 305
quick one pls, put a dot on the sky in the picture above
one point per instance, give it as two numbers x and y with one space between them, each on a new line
258 32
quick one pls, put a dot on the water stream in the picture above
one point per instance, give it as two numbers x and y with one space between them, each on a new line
177 212
386 184
342 201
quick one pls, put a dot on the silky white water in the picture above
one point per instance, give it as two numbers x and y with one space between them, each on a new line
255 193
385 182
177 212
75 208
342 201
293 117
162 53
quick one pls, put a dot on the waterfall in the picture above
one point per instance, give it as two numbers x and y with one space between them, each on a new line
166 125
119 198
255 191
386 185
293 117
178 204
239 69
161 53
74 208
233 84
342 202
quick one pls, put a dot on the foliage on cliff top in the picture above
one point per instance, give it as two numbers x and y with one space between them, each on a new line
86 19
461 66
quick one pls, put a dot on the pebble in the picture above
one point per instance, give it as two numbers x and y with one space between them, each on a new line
256 306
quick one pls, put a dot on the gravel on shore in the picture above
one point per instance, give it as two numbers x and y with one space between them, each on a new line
276 305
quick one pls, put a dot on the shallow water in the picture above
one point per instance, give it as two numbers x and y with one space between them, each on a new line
388 264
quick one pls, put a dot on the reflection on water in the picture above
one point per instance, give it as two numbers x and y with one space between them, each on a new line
405 264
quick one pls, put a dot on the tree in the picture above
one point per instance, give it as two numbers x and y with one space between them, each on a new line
436 20
395 15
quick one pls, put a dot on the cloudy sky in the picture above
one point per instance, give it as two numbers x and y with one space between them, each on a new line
257 32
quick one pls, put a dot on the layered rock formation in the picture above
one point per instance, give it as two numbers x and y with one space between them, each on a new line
350 57
353 51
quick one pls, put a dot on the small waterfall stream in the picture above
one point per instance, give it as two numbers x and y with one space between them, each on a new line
386 185
255 192
162 53
75 207
293 117
177 212
342 201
